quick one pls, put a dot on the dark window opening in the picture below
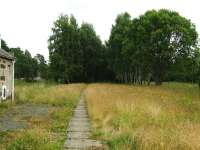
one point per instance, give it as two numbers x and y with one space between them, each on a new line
2 66
3 78
4 92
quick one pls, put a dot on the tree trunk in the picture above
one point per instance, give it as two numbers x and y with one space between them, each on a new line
158 81
148 79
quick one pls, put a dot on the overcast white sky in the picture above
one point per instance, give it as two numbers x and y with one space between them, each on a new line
28 23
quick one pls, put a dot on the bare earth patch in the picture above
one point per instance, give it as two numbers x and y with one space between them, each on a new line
39 116
18 117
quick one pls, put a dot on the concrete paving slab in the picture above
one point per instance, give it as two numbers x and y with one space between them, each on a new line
79 130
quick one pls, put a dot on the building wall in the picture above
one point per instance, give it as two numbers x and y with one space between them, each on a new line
6 75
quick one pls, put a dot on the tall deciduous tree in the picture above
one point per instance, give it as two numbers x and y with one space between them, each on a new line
75 52
25 66
145 47
167 37
42 66
64 50
151 47
119 63
91 47
4 45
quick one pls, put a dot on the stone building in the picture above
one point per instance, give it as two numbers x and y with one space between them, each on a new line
6 75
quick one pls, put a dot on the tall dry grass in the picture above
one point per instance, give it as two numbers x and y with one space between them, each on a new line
42 93
163 117
46 132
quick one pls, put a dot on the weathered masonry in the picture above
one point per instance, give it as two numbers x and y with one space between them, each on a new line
6 75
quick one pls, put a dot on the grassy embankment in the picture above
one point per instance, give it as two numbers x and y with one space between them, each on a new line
146 117
46 110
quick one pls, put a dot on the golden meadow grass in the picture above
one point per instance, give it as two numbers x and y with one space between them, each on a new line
43 132
163 117
127 117
47 94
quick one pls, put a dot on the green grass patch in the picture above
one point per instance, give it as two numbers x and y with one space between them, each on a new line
155 117
123 141
45 108
31 140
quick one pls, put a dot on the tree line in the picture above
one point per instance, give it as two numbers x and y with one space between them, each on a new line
157 46
26 66
76 53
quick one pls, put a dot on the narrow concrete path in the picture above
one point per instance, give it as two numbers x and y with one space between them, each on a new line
79 130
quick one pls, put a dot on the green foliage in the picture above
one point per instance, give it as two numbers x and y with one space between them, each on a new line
97 133
76 53
26 66
44 132
117 59
4 106
61 117
42 66
169 36
64 50
199 82
29 67
4 45
146 47
32 141
123 141
122 120
158 46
